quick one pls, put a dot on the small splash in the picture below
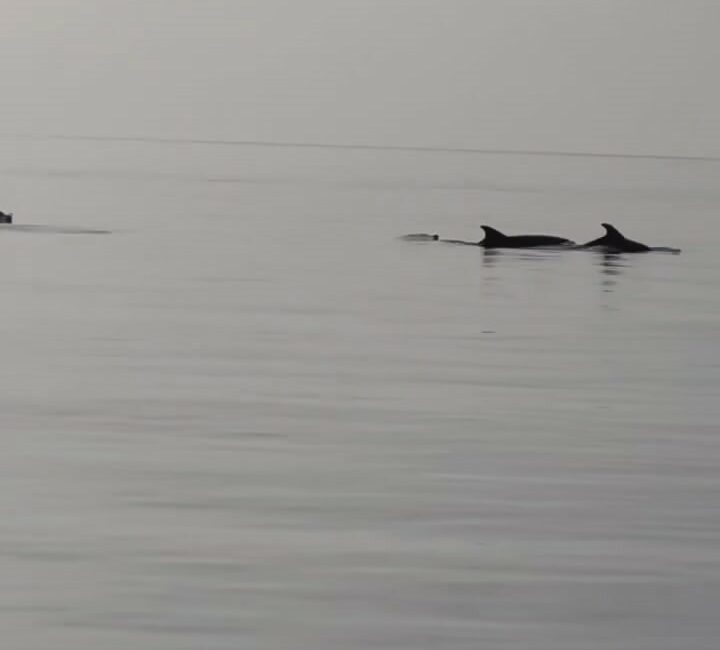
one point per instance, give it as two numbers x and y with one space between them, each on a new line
666 249
420 236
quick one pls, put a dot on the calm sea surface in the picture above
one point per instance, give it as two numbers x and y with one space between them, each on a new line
250 417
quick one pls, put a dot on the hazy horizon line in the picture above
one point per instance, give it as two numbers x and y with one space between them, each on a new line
359 146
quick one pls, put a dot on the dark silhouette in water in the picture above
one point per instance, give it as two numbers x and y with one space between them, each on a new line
495 239
614 241
6 217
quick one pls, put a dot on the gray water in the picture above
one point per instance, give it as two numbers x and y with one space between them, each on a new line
250 416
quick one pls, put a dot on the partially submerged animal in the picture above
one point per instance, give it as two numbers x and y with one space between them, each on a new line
495 239
613 241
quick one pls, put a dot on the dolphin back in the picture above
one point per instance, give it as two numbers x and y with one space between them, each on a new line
614 240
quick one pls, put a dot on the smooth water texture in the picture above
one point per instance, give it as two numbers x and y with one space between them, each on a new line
250 416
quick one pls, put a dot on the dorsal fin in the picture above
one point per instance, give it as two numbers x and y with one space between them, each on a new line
612 232
492 235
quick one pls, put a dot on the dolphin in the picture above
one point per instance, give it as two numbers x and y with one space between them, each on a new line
495 239
615 242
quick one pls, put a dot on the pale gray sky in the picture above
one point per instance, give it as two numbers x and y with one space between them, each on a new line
634 76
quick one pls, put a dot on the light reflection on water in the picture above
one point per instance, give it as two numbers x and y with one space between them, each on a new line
255 418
